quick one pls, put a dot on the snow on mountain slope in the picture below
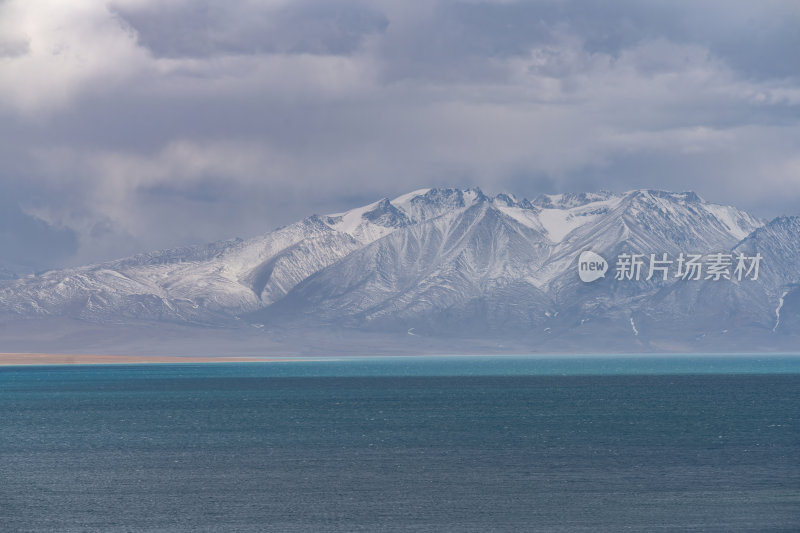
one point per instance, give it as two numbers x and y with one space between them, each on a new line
189 284
371 222
641 221
445 262
778 243
713 310
656 222
441 264
419 273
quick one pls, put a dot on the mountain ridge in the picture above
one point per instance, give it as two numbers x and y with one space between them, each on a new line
449 263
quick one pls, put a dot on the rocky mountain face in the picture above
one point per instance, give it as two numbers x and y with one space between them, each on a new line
461 267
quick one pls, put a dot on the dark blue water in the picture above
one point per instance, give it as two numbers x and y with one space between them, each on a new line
430 444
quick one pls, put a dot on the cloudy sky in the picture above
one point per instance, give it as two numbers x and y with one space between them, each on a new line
131 125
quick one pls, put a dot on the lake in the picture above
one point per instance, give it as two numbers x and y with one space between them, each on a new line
501 443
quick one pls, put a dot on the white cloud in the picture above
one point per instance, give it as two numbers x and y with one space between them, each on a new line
57 52
72 47
246 136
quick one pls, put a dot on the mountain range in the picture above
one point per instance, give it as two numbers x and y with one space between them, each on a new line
434 270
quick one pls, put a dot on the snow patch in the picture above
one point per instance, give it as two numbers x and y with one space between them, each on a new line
526 217
728 215
778 311
558 223
350 220
354 224
561 222
403 200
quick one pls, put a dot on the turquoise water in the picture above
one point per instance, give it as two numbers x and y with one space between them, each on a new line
473 365
685 443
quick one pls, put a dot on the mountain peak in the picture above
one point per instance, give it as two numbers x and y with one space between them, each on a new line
785 221
440 261
387 215
687 196
570 200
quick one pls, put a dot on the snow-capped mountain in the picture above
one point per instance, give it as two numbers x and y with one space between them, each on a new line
451 263
713 309
201 284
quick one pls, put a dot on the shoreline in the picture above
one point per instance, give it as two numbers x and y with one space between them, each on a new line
17 359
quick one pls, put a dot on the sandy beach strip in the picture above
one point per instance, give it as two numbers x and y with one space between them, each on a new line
8 359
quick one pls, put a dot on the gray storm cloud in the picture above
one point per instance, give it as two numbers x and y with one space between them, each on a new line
140 124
